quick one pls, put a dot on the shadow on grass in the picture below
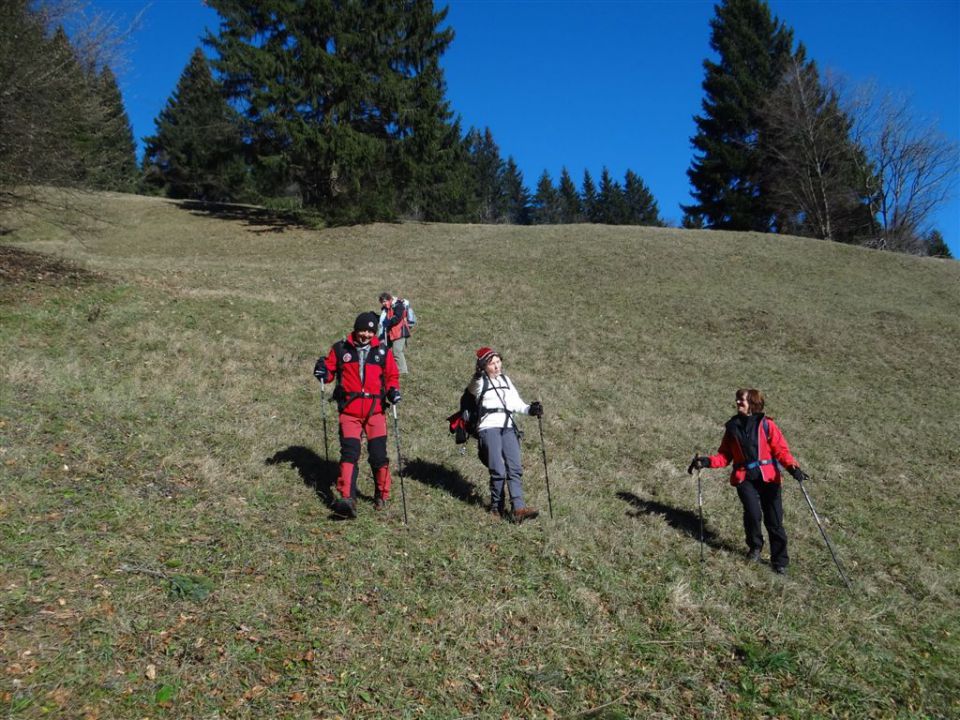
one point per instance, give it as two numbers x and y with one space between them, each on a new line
685 521
316 473
443 478
265 220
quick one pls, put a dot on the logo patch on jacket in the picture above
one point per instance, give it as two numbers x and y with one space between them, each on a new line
347 357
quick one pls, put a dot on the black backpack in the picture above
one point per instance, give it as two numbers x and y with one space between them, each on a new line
463 423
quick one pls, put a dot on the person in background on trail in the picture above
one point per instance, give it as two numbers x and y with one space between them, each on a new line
499 436
367 379
757 449
395 327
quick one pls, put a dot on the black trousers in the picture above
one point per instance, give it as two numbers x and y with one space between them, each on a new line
763 500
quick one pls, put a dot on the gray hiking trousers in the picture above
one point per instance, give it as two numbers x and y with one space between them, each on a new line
500 452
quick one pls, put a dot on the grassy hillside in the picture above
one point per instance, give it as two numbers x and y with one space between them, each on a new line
166 548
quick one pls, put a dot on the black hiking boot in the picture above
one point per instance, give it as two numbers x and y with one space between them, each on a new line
379 504
345 508
780 569
753 555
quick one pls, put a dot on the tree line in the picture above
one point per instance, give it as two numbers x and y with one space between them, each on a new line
339 108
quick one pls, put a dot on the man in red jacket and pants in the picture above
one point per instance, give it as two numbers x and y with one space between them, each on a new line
367 379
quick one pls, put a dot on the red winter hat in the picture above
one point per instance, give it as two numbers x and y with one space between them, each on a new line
484 355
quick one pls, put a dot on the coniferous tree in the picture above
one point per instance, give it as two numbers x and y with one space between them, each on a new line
936 246
611 205
588 196
515 196
727 171
546 202
641 206
338 97
488 168
197 151
571 209
116 167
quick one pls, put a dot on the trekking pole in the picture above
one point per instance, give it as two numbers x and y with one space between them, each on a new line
824 533
700 510
323 410
546 473
403 494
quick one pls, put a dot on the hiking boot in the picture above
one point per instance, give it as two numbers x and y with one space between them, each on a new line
379 503
524 513
345 508
753 555
494 512
780 569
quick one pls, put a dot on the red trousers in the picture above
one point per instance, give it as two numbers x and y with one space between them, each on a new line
351 430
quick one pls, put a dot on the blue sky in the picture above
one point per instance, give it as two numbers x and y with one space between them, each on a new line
607 83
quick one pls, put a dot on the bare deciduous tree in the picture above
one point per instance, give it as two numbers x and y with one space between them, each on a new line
812 174
913 168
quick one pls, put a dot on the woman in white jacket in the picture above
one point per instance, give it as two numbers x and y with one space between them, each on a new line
497 401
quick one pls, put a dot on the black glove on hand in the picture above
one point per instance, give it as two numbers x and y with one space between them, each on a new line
393 396
320 371
798 474
697 464
536 408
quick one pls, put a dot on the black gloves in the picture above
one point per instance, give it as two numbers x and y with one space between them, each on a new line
798 474
320 371
698 463
536 408
393 396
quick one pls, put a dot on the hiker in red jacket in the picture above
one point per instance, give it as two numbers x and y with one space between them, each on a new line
757 448
395 327
367 379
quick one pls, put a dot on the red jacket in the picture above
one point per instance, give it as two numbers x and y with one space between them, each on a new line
396 321
356 397
775 449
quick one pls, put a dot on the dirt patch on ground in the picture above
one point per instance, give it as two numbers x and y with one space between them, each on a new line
22 267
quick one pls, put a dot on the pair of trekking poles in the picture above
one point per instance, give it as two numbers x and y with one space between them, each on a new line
816 517
396 432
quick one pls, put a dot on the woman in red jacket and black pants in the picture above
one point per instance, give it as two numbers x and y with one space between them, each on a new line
757 449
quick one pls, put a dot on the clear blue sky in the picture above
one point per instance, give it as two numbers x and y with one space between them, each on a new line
615 83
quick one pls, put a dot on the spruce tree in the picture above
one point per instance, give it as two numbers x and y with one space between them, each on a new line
546 202
197 151
116 165
611 205
727 171
588 195
641 206
571 209
488 168
516 198
936 245
344 98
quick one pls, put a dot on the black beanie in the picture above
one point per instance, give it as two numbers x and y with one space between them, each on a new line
366 321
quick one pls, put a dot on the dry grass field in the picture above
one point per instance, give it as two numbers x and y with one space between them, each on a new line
167 548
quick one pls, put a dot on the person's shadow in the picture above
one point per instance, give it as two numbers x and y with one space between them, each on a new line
685 521
444 478
314 471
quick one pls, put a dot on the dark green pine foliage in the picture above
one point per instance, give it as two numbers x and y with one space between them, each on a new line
116 168
546 202
197 151
726 172
488 169
641 206
516 198
74 121
588 199
937 246
571 209
339 95
611 204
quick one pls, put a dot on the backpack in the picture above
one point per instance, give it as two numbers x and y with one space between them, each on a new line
463 423
411 315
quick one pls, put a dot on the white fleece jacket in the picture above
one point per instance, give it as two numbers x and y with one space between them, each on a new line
501 394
